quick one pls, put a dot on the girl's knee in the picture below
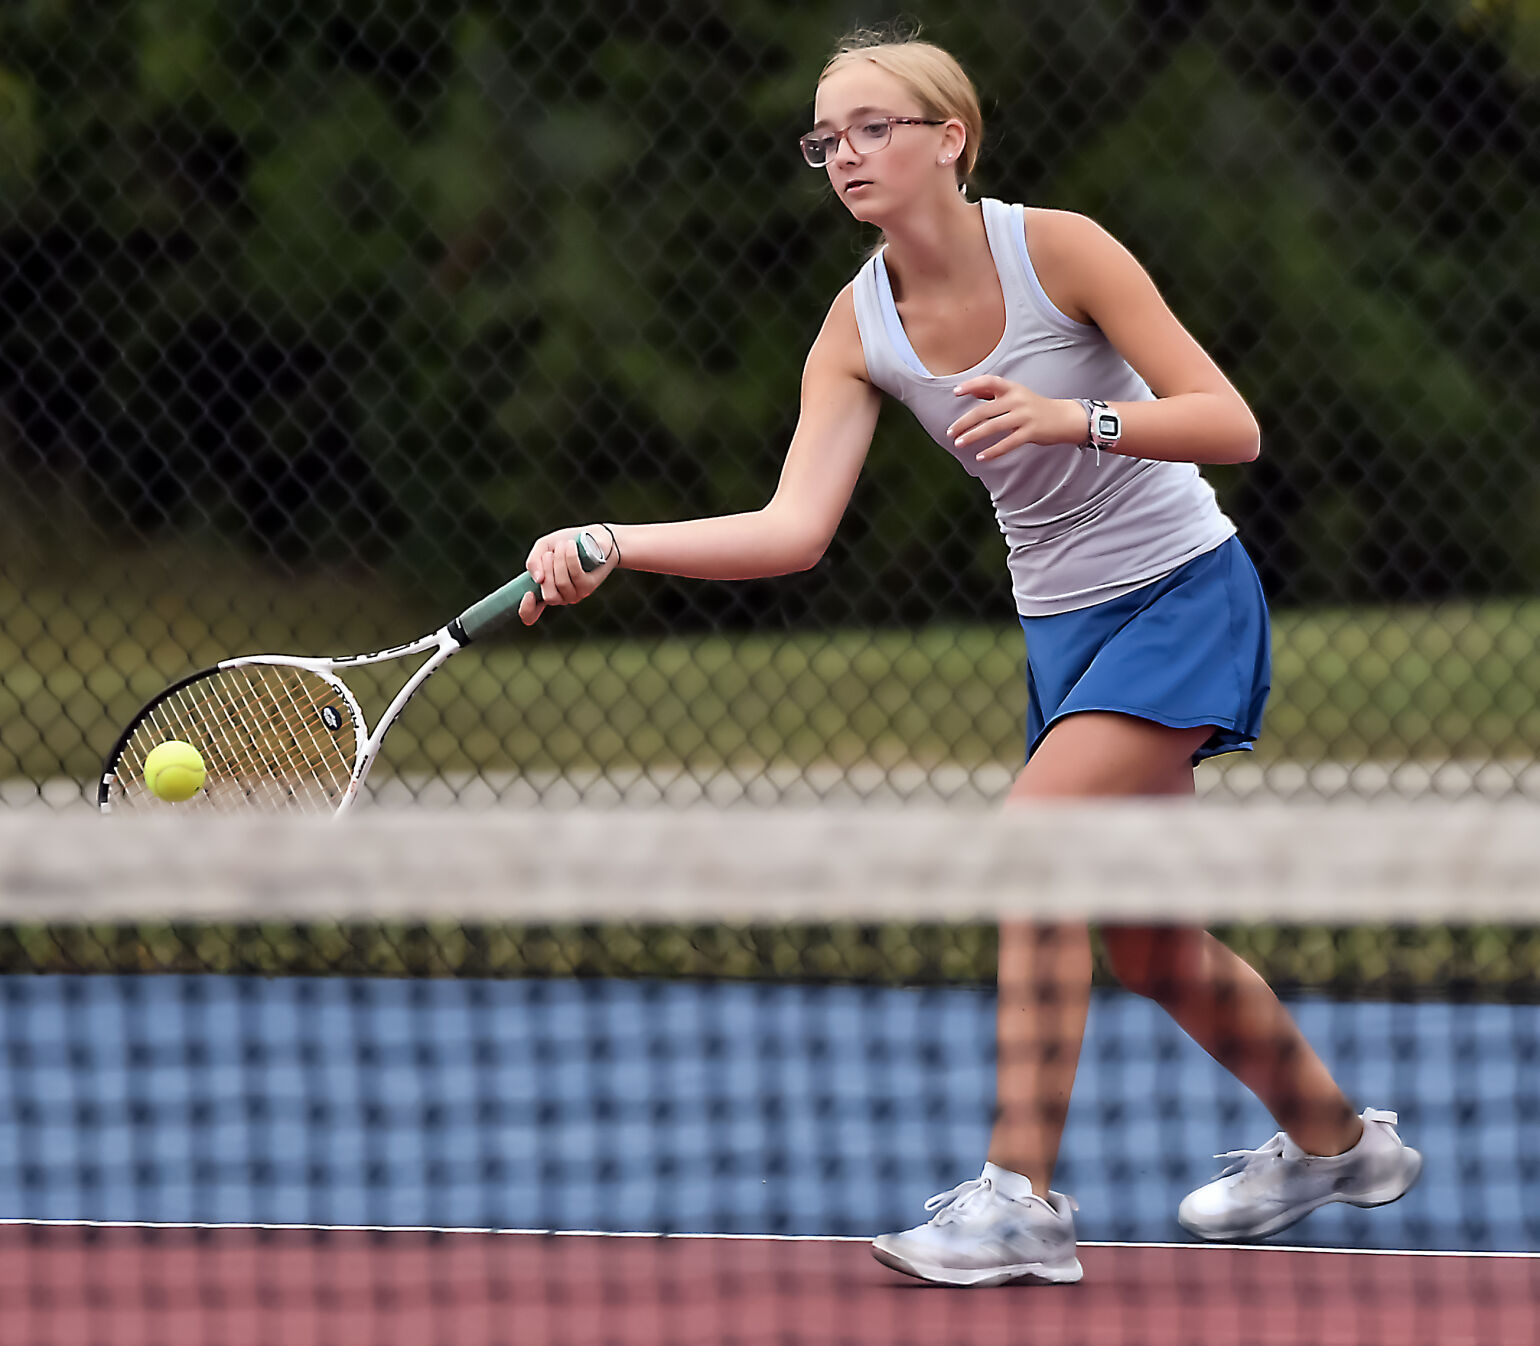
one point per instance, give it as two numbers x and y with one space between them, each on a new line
1156 962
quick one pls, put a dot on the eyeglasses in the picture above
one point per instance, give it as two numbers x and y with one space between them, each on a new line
865 137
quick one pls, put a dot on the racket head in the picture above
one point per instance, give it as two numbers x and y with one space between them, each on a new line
276 736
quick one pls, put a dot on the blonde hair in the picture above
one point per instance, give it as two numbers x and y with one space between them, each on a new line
927 71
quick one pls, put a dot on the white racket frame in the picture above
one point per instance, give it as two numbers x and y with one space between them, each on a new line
486 615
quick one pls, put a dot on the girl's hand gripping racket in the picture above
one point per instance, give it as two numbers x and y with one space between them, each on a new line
281 733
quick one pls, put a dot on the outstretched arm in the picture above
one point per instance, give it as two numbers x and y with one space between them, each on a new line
834 431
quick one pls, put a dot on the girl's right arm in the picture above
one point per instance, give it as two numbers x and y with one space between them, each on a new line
834 431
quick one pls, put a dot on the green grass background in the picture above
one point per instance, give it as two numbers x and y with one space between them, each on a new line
81 647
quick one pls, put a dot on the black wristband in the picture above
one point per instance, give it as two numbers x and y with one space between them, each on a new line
614 541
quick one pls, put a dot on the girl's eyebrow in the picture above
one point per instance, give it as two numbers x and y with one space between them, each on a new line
854 112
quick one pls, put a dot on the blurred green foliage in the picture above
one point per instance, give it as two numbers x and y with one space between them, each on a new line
402 283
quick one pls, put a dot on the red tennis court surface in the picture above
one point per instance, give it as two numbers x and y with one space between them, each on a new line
75 1286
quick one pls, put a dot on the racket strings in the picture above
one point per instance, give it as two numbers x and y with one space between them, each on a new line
263 735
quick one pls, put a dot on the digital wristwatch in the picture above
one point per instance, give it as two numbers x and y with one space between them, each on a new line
1104 427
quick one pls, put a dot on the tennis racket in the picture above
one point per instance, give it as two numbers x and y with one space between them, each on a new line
283 734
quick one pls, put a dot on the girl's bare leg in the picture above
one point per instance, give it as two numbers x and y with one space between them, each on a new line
1223 1004
1214 995
1045 970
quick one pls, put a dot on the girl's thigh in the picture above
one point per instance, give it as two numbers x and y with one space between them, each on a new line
1105 753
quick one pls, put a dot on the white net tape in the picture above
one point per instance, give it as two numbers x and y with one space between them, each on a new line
1200 863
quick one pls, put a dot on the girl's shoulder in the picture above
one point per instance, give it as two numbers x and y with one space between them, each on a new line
838 345
1065 247
1058 229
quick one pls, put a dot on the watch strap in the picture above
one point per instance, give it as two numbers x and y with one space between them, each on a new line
1090 405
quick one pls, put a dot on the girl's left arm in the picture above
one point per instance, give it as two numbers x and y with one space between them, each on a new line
1198 416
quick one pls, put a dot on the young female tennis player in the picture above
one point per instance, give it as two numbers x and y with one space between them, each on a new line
1036 350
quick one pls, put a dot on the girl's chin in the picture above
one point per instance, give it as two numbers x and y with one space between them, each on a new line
864 206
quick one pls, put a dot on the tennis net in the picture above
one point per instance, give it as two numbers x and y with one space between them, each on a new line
647 1076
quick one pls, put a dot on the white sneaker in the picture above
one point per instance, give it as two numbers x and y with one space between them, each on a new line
1266 1190
980 1236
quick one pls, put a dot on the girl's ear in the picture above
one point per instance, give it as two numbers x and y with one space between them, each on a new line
954 138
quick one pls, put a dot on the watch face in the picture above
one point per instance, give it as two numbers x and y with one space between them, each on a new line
1108 427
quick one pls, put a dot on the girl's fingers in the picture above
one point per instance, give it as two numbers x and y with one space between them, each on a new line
549 589
969 419
985 386
561 576
999 425
555 564
530 609
1010 442
980 415
540 558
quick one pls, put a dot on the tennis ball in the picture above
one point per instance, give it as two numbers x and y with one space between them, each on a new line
174 771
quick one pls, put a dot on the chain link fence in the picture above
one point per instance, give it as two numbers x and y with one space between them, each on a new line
313 315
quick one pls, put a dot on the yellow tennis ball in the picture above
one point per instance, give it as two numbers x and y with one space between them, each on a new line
174 771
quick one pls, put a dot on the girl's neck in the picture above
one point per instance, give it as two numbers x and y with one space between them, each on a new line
936 246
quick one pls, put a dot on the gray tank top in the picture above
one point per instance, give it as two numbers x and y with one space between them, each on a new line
1082 527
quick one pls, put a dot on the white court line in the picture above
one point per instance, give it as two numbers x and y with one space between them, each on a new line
739 1238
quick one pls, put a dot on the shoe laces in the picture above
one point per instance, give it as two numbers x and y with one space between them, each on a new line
949 1205
1277 1147
1244 1159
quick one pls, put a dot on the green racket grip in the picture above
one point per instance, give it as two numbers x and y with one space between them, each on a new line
500 606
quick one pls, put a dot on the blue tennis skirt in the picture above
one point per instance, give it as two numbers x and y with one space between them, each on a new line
1189 649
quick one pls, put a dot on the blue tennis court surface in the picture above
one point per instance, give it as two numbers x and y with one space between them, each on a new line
725 1108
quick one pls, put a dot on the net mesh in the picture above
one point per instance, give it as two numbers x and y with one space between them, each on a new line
273 737
283 1079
